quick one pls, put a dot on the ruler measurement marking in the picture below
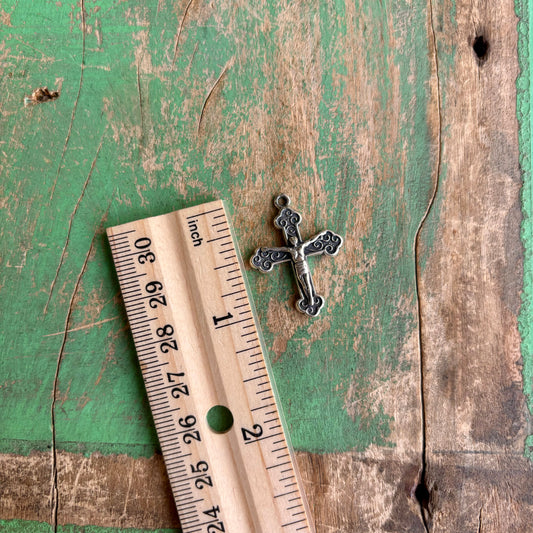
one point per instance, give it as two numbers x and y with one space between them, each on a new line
136 276
285 494
124 259
160 408
137 337
135 310
144 321
255 377
137 290
262 438
246 349
233 323
292 523
278 465
126 269
115 235
206 213
120 245
227 265
263 407
161 427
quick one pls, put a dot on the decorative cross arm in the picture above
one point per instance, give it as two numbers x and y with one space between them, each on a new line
297 251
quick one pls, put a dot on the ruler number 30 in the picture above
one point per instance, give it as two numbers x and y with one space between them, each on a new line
148 256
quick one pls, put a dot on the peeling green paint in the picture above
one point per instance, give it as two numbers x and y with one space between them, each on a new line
121 143
29 526
318 382
524 11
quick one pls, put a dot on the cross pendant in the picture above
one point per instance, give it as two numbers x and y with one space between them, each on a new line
297 251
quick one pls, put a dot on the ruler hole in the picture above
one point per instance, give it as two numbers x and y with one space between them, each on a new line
219 419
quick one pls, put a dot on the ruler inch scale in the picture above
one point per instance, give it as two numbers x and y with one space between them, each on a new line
200 352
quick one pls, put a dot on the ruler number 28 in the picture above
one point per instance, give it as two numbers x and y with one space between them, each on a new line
166 331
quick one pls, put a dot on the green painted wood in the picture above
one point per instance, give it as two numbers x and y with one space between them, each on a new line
134 134
29 526
164 105
524 10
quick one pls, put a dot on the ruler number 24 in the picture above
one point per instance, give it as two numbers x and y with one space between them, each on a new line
213 513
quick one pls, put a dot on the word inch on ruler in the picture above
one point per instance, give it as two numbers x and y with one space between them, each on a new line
201 357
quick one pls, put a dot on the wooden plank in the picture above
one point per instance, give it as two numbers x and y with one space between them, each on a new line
356 110
476 419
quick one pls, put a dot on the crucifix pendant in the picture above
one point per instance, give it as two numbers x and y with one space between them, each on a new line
297 251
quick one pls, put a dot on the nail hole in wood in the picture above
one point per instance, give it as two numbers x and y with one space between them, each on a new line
481 48
422 495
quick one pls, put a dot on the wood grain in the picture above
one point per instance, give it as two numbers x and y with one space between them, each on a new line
391 123
476 419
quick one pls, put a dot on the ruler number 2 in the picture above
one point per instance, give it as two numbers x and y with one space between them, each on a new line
254 433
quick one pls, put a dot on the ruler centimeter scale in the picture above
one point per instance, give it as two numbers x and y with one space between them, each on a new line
230 466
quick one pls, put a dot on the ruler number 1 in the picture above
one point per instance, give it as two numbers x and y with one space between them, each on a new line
217 319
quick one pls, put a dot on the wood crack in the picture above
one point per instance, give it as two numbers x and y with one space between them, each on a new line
480 520
67 240
54 490
75 106
210 93
179 33
141 109
422 491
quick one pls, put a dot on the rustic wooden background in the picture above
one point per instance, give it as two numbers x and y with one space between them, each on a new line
401 124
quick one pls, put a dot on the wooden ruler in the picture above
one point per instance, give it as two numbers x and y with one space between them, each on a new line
230 465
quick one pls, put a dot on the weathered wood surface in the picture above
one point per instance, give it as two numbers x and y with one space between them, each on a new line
476 418
388 122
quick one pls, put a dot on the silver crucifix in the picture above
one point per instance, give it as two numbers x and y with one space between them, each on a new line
297 251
